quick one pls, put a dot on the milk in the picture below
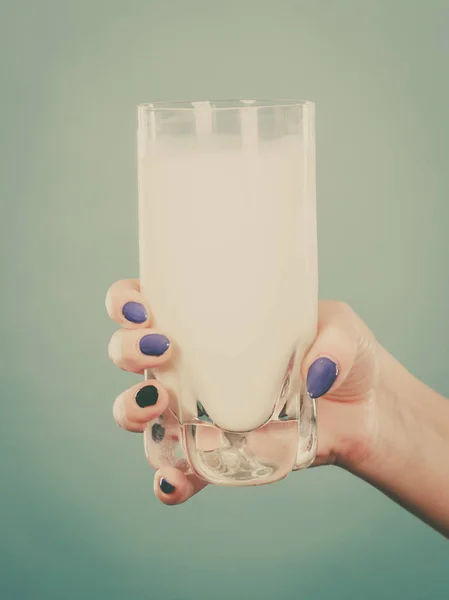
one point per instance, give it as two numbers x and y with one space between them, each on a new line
228 265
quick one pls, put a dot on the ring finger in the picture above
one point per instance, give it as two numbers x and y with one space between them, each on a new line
138 405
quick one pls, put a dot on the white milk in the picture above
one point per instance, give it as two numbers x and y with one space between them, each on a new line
228 264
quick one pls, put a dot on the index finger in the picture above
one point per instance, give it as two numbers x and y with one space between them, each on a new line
126 304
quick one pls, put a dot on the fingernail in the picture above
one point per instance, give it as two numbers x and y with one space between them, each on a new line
154 344
147 396
135 312
321 376
157 433
166 487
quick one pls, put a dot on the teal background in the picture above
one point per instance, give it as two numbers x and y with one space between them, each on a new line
79 519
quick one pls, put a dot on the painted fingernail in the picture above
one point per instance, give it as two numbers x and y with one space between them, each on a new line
166 487
157 433
154 344
135 312
321 376
147 396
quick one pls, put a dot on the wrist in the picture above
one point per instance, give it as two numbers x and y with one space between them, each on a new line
404 414
387 436
407 458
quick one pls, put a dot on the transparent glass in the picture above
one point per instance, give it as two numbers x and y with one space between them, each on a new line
228 262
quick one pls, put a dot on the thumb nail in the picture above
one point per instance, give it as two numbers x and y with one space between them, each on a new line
321 376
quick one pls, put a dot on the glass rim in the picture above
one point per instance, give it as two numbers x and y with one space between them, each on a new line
223 105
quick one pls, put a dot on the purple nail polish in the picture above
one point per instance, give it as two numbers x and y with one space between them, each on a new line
154 344
135 312
321 376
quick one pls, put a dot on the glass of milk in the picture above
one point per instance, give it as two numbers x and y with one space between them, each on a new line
228 263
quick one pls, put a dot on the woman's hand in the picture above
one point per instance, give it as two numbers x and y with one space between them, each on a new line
136 347
341 370
374 418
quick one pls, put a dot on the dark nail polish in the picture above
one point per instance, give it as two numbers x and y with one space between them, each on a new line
147 396
154 344
157 433
135 312
166 487
321 377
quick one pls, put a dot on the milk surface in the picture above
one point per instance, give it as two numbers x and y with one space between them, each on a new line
228 265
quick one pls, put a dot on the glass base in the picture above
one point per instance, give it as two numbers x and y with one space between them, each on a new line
257 457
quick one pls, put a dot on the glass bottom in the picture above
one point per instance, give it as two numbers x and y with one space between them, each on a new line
257 457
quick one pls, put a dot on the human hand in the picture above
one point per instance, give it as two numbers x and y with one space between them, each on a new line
341 370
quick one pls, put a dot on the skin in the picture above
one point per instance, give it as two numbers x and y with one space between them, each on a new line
377 421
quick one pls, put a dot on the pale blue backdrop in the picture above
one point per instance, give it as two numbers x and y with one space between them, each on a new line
79 520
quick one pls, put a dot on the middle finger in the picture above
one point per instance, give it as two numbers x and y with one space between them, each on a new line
138 349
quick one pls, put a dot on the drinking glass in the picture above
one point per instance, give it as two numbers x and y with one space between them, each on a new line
228 263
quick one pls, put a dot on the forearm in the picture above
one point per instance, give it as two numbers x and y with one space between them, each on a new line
409 460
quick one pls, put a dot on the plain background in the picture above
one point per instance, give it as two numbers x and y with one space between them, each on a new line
78 516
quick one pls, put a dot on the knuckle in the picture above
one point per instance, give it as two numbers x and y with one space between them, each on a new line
115 292
119 411
115 346
353 322
122 419
111 293
344 308
123 353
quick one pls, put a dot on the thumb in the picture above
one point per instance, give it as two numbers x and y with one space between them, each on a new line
330 360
